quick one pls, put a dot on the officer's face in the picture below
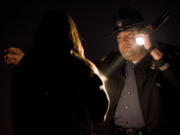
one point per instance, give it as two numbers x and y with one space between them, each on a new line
127 45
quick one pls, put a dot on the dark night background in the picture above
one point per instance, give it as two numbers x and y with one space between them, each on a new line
19 21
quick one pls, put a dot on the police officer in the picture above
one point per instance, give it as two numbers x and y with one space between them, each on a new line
140 81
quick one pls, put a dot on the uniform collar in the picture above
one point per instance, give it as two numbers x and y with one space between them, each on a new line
144 64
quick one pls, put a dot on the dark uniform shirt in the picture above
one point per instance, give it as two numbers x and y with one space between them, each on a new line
128 112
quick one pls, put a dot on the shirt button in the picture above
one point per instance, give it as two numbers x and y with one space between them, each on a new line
129 93
126 107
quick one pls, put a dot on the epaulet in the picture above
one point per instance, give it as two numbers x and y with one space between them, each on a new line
103 58
110 56
108 60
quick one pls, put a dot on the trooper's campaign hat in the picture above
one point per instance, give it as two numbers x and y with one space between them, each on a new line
127 17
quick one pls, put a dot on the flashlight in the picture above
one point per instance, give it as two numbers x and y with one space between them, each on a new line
139 40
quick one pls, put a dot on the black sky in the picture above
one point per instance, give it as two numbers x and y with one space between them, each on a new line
94 19
20 19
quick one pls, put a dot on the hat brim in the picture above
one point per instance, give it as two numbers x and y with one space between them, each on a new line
120 29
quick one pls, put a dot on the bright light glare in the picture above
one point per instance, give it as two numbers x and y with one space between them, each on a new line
139 40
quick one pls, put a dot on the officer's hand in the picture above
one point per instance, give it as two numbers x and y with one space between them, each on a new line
155 53
147 42
13 55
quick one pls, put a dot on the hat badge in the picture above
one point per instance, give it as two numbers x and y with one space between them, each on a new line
119 23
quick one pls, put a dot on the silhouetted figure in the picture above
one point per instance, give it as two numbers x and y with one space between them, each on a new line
55 66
